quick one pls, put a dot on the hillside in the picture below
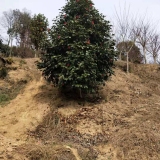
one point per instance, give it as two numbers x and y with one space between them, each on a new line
37 122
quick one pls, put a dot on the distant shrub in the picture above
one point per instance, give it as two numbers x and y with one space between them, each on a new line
2 62
22 52
134 53
9 60
22 62
4 98
5 50
3 72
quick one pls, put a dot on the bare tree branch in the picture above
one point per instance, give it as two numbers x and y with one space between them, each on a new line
154 46
146 30
126 29
6 22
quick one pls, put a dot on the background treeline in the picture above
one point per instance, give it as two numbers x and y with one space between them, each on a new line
27 34
137 38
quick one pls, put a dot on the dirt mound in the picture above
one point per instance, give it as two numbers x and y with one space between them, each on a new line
40 123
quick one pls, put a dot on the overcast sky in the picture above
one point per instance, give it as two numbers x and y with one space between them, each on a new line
50 8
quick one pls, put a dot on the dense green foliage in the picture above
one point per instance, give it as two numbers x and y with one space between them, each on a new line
21 27
4 48
82 52
38 29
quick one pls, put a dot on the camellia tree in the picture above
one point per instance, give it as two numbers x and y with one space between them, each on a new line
82 49
39 31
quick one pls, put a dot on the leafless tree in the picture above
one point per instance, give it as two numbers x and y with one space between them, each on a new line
137 29
154 46
145 33
122 26
6 22
126 29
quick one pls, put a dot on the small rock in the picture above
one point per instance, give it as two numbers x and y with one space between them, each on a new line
9 156
15 145
9 149
1 152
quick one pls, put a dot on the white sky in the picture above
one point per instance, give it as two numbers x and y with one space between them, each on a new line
50 8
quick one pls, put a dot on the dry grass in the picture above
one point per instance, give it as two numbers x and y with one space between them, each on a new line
48 152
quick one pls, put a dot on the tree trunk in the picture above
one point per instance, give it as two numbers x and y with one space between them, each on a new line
9 40
11 48
144 53
120 56
127 63
80 93
155 58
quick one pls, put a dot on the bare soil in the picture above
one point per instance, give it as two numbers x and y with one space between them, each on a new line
40 123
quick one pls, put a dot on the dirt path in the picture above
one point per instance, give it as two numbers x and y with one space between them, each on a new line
23 113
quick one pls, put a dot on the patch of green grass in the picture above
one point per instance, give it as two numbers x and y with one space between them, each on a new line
4 98
7 95
22 62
